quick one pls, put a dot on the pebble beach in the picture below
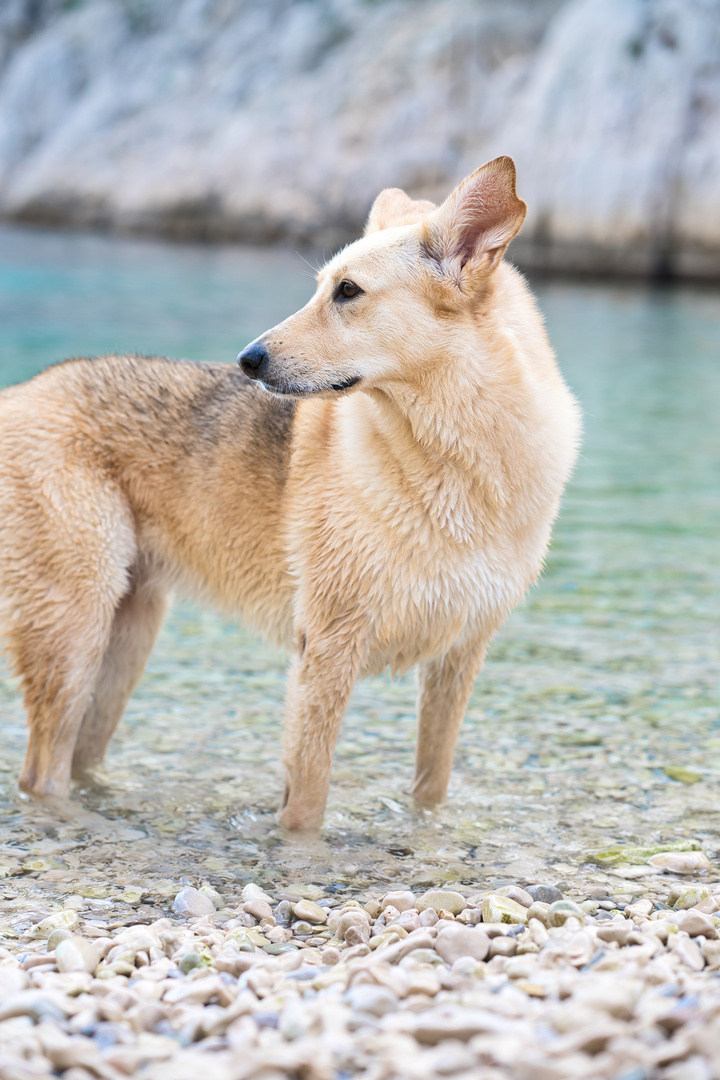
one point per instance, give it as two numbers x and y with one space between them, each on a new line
525 982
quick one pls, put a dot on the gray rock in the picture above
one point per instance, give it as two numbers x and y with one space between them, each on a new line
546 894
277 948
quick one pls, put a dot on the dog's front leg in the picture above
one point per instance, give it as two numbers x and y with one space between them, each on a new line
320 683
444 687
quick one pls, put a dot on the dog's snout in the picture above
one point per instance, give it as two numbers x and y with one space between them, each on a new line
252 358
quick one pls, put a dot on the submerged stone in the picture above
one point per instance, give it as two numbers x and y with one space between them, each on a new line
31 866
683 776
629 853
94 892
303 892
132 896
67 919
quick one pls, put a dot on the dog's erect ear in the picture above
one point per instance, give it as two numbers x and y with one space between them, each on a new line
468 234
393 207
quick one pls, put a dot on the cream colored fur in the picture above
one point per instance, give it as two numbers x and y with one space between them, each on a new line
385 505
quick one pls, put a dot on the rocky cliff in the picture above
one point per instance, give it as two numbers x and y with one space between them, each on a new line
282 119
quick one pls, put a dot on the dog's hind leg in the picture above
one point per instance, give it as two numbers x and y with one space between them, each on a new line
135 626
445 686
68 539
59 666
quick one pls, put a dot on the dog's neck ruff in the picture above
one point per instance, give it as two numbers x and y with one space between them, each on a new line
437 467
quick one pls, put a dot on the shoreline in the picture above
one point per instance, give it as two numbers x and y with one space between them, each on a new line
576 264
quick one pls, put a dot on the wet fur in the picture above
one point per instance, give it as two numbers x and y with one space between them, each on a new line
392 524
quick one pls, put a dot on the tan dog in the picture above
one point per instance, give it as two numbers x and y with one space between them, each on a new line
386 505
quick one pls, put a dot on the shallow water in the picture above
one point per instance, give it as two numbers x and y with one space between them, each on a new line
604 680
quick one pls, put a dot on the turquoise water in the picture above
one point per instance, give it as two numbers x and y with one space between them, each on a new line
605 679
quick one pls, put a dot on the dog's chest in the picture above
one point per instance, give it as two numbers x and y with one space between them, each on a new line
409 548
421 602
408 584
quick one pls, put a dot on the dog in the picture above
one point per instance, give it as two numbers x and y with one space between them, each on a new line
375 489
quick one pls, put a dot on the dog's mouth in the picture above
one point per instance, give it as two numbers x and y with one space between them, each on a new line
296 391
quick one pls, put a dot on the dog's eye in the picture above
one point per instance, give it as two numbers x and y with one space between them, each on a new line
346 290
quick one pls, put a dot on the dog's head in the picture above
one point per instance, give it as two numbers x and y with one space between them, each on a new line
392 302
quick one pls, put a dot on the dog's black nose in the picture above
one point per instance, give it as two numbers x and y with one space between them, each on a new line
252 358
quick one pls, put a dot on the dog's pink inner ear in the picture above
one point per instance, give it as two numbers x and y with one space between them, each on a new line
473 227
393 207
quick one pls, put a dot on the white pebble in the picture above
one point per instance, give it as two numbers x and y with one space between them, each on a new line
192 903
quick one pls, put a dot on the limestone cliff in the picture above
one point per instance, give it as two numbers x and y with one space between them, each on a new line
282 119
